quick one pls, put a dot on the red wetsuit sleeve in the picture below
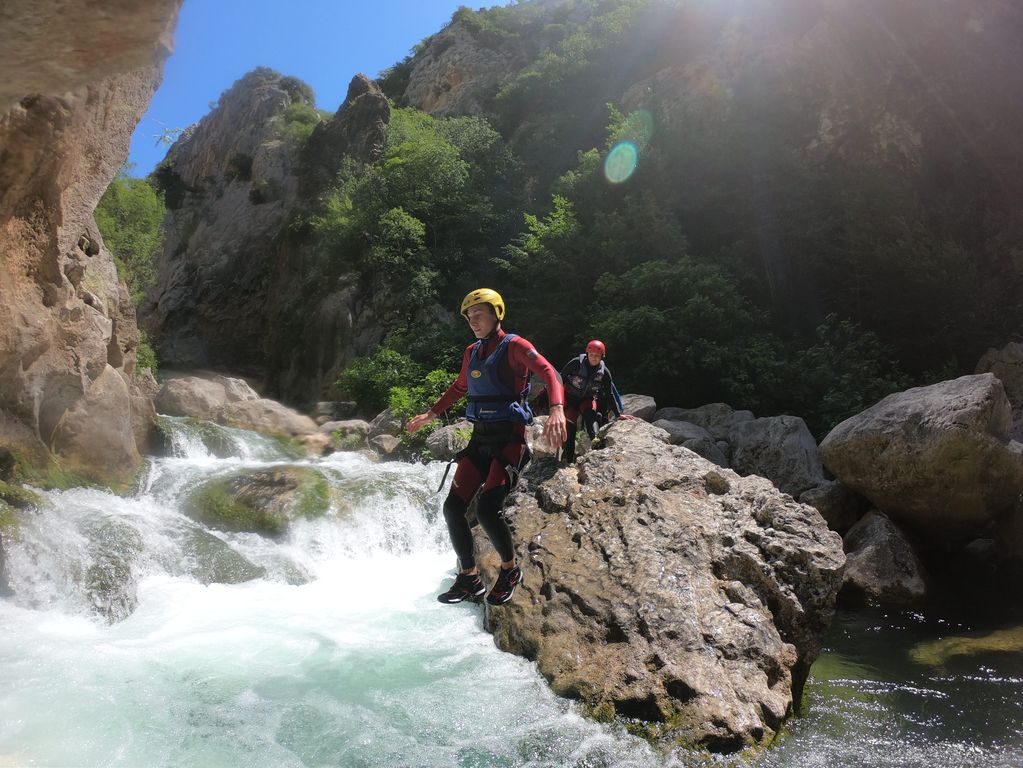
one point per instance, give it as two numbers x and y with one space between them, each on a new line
522 353
457 389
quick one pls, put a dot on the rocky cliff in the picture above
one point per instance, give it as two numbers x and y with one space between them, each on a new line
238 290
67 326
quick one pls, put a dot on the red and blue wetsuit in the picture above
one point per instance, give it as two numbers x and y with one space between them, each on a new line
590 393
495 372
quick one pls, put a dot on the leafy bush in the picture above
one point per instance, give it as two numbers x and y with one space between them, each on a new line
408 401
368 380
684 334
297 123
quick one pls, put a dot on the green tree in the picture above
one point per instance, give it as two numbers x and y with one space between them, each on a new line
369 380
684 334
129 217
846 371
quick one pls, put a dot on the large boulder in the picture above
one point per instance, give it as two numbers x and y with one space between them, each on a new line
66 120
779 448
385 423
269 417
1007 364
448 440
201 397
640 406
717 418
938 458
881 563
232 402
662 587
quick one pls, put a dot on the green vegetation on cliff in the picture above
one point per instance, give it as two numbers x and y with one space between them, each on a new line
793 207
803 232
129 216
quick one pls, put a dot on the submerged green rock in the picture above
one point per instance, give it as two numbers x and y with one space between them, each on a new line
937 653
264 501
214 562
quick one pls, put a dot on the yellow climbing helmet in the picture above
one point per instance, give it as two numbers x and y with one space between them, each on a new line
484 296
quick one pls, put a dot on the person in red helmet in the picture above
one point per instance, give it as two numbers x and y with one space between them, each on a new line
495 376
589 392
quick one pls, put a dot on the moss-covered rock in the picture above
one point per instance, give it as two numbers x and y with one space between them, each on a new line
214 562
18 497
47 471
264 501
111 581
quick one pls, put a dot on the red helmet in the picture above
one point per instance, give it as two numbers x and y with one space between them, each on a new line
596 346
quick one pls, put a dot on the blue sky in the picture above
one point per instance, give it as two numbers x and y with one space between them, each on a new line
323 42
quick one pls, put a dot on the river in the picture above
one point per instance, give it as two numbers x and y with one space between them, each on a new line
116 651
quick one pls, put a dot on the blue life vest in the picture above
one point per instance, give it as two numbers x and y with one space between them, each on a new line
490 398
585 382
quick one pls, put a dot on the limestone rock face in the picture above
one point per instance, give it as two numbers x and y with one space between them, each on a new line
666 588
455 74
938 457
97 429
67 327
358 130
234 290
881 563
228 185
41 43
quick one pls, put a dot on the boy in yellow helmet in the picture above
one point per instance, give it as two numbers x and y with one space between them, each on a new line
495 374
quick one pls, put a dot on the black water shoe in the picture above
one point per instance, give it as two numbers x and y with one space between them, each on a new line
505 585
467 586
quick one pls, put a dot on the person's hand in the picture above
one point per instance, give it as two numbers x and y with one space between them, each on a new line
418 422
555 432
627 417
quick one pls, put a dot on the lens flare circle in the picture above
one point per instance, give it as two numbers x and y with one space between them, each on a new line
621 162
